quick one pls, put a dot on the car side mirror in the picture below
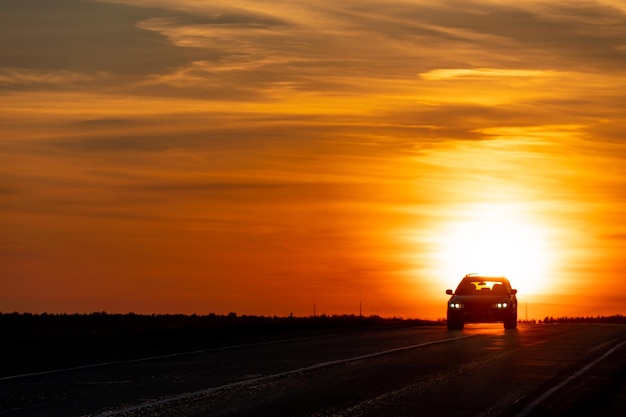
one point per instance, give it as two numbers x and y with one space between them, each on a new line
513 291
449 292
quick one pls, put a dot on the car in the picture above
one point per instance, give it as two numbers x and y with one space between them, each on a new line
482 299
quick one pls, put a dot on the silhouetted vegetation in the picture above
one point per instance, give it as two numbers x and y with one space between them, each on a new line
615 319
37 342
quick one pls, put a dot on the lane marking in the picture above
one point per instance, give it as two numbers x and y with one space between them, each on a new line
273 376
526 411
54 371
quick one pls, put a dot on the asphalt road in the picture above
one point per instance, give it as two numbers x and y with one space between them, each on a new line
537 370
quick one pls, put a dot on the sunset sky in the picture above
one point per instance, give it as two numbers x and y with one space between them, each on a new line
266 156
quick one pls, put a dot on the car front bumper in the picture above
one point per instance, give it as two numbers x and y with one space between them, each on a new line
479 316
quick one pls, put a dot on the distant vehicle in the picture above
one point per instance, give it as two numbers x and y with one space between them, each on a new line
482 299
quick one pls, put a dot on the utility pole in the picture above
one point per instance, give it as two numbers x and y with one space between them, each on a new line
360 304
526 312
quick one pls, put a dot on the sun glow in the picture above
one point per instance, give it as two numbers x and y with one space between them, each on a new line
497 240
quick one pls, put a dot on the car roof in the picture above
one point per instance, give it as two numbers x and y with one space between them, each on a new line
485 278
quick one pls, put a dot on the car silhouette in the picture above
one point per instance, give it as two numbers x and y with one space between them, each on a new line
482 299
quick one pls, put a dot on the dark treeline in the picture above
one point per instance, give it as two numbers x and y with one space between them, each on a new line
615 319
28 326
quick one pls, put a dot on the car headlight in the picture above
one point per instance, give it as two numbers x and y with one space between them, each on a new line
500 305
455 306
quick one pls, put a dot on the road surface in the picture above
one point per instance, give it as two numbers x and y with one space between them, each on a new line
537 370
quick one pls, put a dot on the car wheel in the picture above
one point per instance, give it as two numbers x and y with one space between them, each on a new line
455 324
511 322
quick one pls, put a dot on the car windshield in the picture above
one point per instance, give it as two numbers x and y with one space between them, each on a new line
481 286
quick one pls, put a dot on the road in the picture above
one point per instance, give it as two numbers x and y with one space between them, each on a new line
537 370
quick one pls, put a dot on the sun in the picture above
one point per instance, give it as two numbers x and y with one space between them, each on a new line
496 239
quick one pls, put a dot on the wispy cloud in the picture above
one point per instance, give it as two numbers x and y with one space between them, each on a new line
446 74
23 76
543 132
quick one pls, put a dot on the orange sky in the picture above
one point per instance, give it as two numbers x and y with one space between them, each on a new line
262 157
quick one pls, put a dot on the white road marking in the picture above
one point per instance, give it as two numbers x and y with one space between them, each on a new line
272 376
526 411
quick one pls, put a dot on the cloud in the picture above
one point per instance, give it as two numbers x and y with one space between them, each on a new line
82 36
23 76
446 74
208 49
198 74
542 132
